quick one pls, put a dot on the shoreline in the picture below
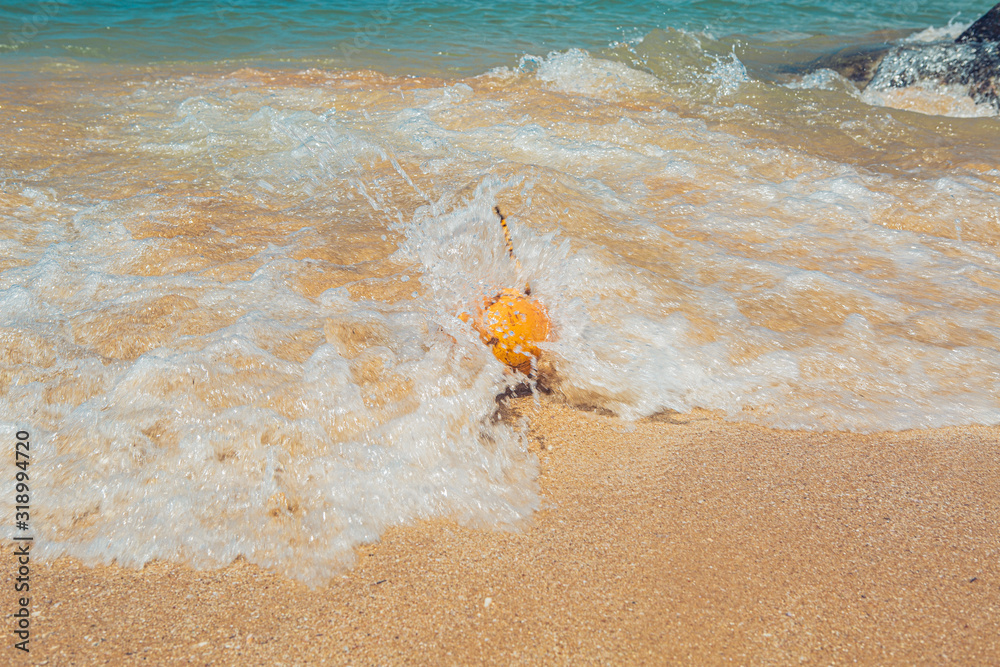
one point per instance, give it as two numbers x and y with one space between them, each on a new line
681 539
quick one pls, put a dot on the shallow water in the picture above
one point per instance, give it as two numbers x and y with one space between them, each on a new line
423 36
229 293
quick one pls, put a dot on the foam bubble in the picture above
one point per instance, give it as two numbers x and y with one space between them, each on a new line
574 71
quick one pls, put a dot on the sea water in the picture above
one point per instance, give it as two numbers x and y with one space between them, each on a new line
235 239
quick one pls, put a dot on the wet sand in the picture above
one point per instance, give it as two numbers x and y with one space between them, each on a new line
681 539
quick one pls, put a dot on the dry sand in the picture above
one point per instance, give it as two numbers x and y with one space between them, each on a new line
679 540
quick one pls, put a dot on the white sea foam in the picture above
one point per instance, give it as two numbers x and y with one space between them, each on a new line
948 32
574 71
729 73
247 342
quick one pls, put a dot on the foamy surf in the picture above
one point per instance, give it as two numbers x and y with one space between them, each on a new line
230 308
926 72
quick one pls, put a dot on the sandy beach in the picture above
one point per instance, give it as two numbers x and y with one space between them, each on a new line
250 253
681 539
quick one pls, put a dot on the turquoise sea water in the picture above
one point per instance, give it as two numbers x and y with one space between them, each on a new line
418 36
236 239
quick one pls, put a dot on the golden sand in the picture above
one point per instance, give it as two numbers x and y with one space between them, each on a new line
682 539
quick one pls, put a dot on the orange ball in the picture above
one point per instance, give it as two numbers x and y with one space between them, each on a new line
512 323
